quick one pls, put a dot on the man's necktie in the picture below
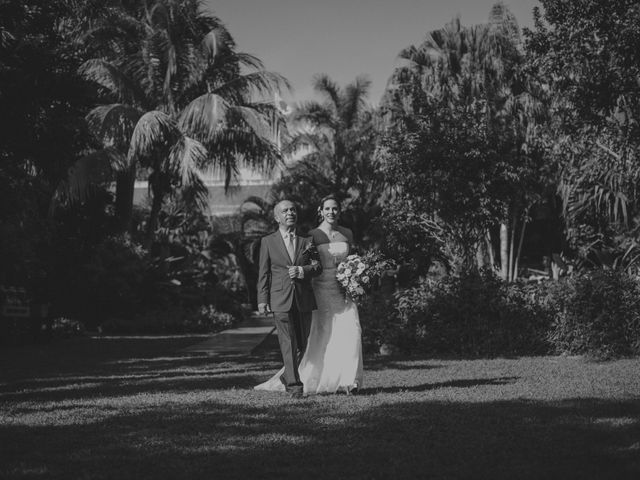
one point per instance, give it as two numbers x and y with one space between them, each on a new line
290 247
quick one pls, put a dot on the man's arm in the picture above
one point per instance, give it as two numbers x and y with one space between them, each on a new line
314 268
264 277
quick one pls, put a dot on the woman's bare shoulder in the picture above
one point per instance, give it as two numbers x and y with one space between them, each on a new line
318 236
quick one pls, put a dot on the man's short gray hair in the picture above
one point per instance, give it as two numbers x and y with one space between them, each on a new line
275 207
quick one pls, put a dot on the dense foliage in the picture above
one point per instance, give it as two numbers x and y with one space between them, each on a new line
596 313
152 67
474 314
587 53
44 100
460 147
486 143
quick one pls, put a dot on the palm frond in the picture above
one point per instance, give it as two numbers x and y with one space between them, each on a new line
326 87
113 30
155 132
88 175
423 56
213 42
260 202
6 37
233 148
204 116
187 158
315 114
108 76
354 100
252 119
113 124
308 141
248 61
275 120
247 86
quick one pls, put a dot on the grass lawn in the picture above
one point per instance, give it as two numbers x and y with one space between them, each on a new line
139 408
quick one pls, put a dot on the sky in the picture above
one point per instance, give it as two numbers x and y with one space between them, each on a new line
344 38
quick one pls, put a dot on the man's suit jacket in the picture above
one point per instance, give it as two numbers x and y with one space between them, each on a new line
274 285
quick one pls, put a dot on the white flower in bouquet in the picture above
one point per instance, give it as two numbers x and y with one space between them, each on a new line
356 274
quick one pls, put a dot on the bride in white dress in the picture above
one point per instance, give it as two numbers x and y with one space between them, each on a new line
333 359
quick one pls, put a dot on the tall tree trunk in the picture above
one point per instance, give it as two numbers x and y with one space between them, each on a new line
481 257
489 243
158 190
249 272
485 251
524 225
504 252
152 224
125 183
512 245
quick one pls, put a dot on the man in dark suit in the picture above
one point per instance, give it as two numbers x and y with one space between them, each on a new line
287 264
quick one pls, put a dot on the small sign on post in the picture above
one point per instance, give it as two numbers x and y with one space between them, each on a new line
16 303
19 311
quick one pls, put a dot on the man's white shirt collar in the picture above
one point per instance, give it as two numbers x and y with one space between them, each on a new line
286 234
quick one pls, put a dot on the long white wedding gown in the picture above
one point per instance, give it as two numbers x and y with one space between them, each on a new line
333 359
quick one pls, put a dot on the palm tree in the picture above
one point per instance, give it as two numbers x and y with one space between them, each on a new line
335 139
179 97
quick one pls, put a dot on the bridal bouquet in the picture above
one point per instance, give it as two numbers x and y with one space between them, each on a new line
357 274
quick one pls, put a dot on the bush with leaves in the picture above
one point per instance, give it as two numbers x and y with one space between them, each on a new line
62 327
472 314
111 282
210 319
380 322
596 313
189 269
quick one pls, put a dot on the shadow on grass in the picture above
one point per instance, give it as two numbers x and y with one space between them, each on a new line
433 386
123 386
147 411
581 439
99 368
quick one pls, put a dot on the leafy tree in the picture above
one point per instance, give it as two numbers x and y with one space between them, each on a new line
442 170
43 100
461 147
587 52
41 89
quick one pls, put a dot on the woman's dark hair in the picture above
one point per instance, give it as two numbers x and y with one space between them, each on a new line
326 199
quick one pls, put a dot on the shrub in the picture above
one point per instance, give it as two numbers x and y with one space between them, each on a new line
380 322
66 328
472 314
209 319
109 283
596 313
